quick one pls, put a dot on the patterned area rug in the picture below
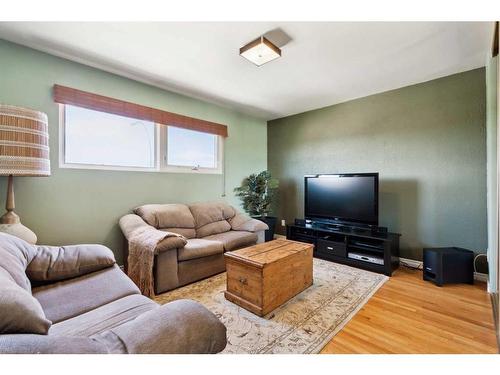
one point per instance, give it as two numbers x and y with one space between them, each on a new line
303 325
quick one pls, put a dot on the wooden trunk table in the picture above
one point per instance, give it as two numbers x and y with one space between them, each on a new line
262 277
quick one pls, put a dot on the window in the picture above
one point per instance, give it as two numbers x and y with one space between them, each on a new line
189 148
97 140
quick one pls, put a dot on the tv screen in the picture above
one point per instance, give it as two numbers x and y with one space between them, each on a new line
342 197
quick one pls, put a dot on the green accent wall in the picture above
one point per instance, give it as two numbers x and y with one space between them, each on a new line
427 141
84 206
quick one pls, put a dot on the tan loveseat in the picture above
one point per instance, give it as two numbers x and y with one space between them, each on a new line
208 230
75 299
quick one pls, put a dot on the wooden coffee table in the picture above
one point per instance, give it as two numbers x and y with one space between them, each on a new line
262 277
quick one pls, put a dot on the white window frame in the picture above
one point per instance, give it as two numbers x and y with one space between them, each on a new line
165 167
160 162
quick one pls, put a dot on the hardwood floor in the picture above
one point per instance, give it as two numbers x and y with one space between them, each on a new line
408 315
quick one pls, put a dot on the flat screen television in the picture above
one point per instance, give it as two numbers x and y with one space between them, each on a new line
342 198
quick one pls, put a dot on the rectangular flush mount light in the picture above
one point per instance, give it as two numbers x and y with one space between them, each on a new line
260 51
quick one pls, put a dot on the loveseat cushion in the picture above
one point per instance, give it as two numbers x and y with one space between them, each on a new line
213 228
211 217
234 239
166 215
19 311
53 263
15 254
199 248
69 298
186 232
104 317
211 212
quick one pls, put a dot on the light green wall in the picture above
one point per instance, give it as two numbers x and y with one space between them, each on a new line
427 141
78 206
492 175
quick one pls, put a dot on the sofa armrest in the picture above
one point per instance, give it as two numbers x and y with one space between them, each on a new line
179 327
46 344
53 263
131 222
243 222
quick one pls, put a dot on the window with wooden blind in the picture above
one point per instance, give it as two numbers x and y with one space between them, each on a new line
93 136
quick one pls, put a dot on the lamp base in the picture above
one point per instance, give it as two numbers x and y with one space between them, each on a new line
10 222
19 231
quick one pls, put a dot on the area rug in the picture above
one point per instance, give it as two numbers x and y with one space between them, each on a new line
304 324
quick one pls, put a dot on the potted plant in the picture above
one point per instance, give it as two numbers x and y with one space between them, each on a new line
257 193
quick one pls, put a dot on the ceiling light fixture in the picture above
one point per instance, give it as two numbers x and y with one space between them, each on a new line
260 51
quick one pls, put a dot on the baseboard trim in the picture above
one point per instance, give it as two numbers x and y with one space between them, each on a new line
494 304
412 262
483 277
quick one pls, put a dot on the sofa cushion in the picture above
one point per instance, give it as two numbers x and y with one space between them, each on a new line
69 298
57 263
234 239
166 215
210 212
15 254
199 248
213 228
20 312
104 317
186 232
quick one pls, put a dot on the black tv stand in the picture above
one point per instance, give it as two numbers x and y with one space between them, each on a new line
341 243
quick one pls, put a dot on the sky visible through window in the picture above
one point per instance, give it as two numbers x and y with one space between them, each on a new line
191 148
99 138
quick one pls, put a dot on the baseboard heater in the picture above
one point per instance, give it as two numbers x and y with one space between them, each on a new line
366 258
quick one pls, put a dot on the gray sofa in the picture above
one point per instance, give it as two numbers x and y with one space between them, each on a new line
75 299
208 230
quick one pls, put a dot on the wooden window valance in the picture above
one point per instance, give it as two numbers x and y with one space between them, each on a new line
67 95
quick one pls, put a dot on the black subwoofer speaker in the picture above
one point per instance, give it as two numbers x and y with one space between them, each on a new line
448 265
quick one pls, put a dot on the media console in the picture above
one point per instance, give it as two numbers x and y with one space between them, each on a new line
362 248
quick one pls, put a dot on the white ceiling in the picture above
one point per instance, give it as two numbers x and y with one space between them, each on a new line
322 64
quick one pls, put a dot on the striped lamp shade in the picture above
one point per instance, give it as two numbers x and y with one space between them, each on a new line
24 142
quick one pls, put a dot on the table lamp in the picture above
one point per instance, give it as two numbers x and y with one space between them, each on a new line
24 151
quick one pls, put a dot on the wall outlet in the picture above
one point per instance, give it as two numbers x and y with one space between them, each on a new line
283 223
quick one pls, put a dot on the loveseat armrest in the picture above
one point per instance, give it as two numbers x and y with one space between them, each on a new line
179 327
47 344
52 263
243 222
131 222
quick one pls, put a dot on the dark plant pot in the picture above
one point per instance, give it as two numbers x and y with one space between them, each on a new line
271 223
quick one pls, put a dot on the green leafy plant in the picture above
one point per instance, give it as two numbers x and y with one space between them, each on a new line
257 192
